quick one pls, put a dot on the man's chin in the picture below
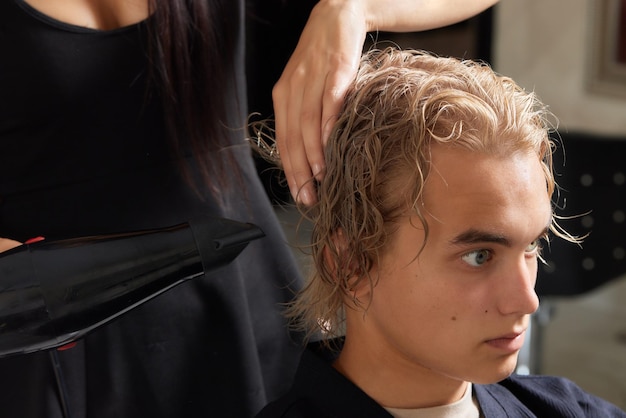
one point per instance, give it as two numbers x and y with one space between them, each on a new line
498 373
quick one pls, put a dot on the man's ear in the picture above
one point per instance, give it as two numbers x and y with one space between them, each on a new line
345 267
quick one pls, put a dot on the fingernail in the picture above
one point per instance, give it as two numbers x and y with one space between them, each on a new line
305 197
317 170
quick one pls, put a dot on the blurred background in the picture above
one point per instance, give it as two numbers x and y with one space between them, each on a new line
572 53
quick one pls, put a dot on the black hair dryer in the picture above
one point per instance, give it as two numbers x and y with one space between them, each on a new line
54 292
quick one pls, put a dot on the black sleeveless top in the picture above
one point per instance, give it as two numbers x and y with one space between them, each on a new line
82 152
72 113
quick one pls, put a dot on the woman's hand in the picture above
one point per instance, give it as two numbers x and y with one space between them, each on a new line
7 244
309 94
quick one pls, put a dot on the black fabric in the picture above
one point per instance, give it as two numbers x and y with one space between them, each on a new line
82 152
319 391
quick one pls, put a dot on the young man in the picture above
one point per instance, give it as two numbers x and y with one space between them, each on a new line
427 235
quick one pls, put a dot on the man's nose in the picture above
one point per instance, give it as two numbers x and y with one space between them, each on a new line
518 294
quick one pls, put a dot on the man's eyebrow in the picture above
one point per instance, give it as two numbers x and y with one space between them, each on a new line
474 236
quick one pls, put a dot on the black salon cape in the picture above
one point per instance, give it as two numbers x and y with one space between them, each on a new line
319 391
83 151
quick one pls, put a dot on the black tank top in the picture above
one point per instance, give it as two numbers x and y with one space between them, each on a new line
76 124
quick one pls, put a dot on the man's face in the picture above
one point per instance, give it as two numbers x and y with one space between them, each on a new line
460 309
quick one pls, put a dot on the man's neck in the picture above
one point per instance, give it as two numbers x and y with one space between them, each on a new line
395 383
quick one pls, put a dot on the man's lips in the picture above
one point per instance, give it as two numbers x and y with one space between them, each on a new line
510 342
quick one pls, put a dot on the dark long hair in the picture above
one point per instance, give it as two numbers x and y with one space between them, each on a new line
192 47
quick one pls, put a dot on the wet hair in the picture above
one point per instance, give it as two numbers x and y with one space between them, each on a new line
377 162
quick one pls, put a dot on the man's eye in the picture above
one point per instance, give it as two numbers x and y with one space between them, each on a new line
477 258
534 246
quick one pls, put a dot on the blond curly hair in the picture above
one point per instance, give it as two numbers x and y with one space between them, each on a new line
377 161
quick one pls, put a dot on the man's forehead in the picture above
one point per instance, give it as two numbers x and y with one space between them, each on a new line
480 196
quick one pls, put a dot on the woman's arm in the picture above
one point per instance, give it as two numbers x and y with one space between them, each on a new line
7 244
310 92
